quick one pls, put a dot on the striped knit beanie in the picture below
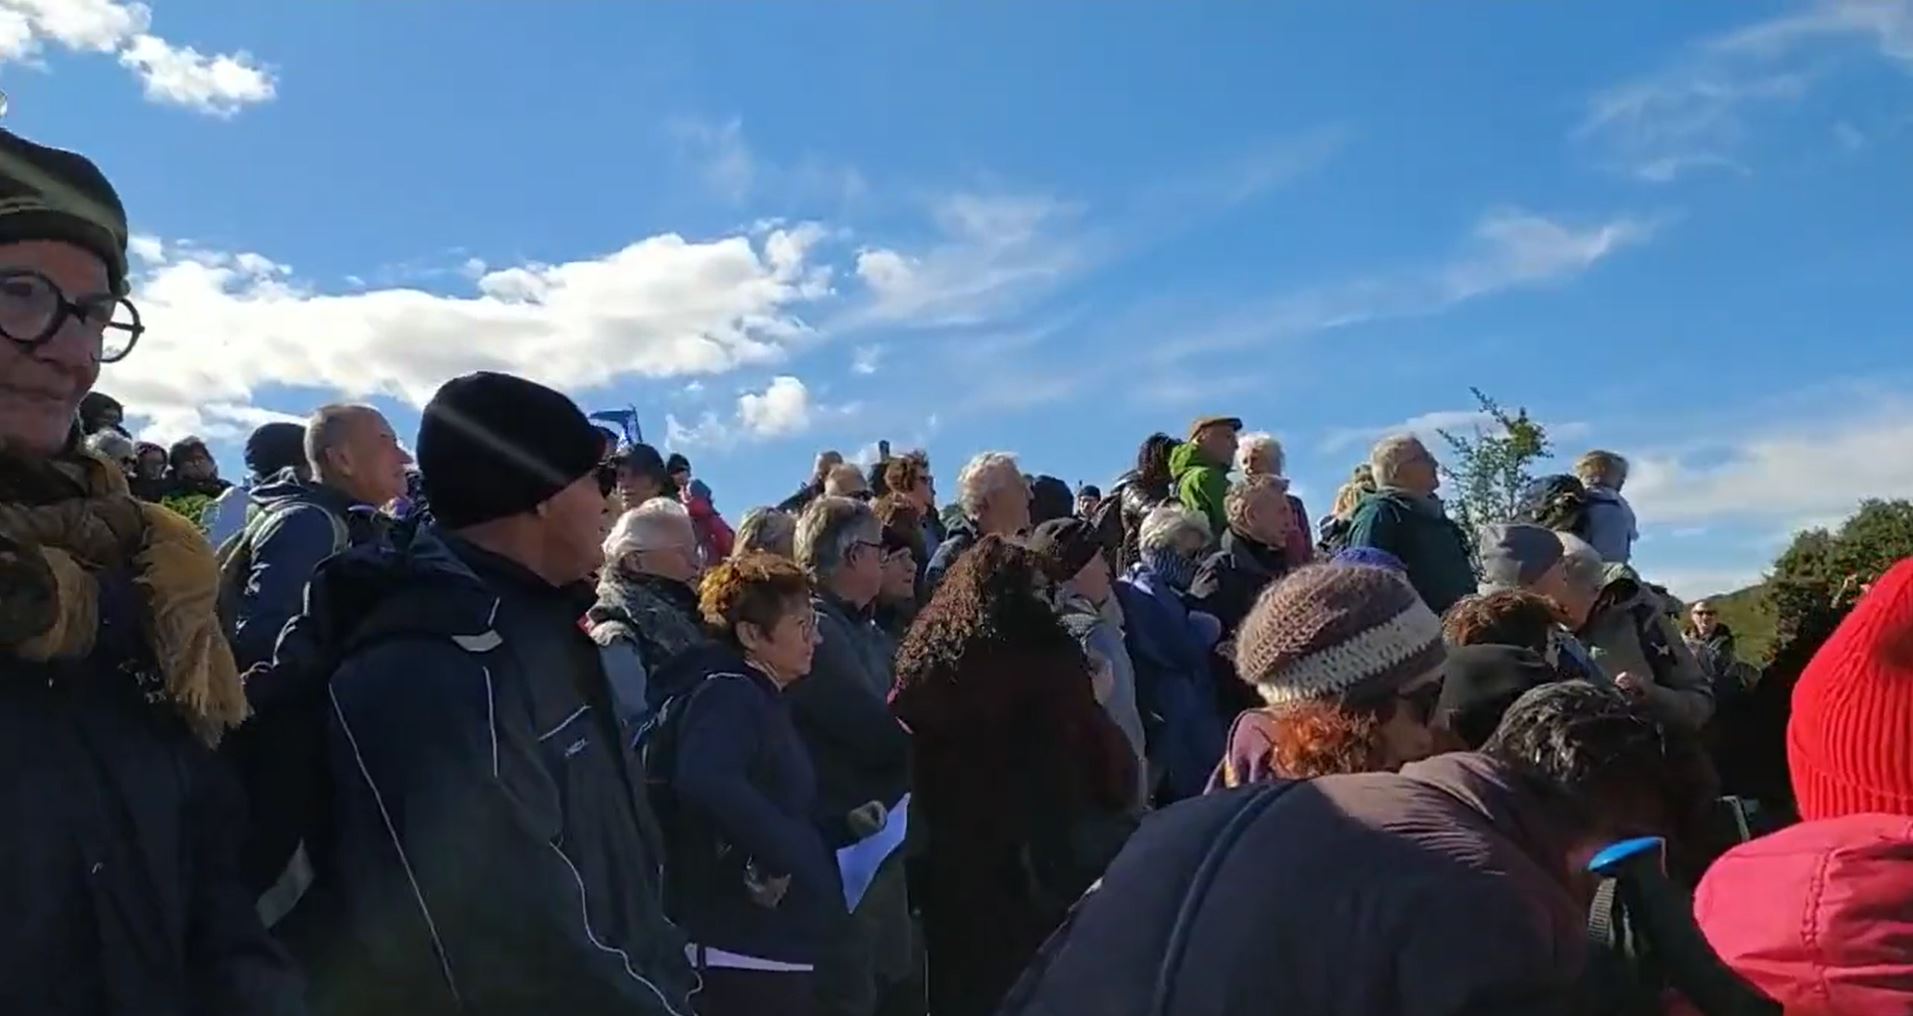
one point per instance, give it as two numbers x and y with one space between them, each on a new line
50 194
1850 738
1327 632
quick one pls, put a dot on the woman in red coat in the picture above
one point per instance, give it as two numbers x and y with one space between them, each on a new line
1021 781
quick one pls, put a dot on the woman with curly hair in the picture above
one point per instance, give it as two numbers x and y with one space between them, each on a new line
1021 783
751 880
1350 663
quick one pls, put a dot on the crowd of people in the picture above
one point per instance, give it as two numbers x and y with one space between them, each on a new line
525 726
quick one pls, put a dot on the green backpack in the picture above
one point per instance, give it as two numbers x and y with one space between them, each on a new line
235 557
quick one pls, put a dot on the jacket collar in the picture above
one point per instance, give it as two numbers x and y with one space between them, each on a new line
1264 557
1515 809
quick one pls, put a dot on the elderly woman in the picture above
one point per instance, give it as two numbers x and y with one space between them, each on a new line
1349 661
1260 454
1170 644
904 557
1021 780
751 880
647 593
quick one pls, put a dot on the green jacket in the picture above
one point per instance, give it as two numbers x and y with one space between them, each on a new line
1427 541
1201 485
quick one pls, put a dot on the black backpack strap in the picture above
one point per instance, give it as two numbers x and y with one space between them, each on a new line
1255 803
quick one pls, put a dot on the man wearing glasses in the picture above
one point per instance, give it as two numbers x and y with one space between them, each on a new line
119 827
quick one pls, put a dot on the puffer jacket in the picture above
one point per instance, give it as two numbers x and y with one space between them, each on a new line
1630 631
1819 916
1135 503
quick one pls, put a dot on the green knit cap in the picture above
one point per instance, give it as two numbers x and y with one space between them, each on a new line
51 194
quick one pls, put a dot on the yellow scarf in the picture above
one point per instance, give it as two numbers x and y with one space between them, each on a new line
50 554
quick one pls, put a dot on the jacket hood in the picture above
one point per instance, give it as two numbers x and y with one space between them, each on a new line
1820 915
285 487
417 564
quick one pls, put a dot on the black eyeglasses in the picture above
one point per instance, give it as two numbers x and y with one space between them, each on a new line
33 310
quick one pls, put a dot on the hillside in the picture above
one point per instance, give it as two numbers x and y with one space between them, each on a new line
1751 617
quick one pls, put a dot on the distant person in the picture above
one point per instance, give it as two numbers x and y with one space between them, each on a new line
1332 534
270 450
149 481
116 448
1050 498
1170 642
1140 490
846 480
1089 498
769 530
994 500
100 411
714 536
1610 523
1201 467
813 488
1260 454
192 470
908 476
642 476
1253 551
1086 602
649 584
1405 518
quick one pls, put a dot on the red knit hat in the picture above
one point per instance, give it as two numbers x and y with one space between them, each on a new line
1850 739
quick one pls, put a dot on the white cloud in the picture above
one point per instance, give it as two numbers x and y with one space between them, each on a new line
146 249
221 325
1427 426
995 253
1782 477
866 359
1699 112
219 84
1507 249
784 408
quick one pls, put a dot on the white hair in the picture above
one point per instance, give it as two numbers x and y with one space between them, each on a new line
1391 454
1581 564
827 531
1248 446
983 476
767 530
1166 525
654 525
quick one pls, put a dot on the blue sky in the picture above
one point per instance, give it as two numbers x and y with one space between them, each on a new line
1677 230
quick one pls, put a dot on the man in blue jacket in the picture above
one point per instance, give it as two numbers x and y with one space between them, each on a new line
357 467
493 849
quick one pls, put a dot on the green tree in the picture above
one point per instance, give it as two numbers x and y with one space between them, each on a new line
1486 474
1822 572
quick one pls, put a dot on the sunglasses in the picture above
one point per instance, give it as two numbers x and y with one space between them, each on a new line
607 474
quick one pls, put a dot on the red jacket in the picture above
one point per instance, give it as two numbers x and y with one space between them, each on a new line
714 535
1819 916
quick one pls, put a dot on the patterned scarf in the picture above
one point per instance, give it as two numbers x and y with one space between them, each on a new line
1174 569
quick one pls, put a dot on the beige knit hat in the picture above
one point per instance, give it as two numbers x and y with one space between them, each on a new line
1337 632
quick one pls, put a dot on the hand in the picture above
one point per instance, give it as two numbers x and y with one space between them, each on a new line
867 818
1633 685
1226 649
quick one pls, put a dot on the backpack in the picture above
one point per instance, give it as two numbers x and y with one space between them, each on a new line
235 558
1558 502
692 841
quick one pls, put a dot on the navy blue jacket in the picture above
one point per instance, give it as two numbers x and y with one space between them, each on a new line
492 849
741 776
1175 687
120 886
960 538
296 530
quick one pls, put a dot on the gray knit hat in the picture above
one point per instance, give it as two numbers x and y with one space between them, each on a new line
1516 556
1337 633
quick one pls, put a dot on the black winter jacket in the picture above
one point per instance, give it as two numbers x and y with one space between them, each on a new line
1230 579
493 851
118 846
842 710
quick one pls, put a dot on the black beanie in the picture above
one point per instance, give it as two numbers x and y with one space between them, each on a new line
492 446
275 447
51 194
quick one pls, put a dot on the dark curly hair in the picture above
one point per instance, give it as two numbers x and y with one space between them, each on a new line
756 587
1152 463
988 663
